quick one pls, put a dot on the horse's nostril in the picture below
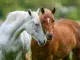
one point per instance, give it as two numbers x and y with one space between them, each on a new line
41 43
44 41
49 37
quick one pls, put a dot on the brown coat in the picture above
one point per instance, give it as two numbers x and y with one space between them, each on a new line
66 35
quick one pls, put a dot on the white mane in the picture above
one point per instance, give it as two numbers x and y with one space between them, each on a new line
17 15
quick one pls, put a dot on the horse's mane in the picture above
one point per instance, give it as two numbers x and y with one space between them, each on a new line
20 15
15 15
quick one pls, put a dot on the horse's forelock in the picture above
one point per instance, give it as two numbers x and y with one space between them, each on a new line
47 15
47 10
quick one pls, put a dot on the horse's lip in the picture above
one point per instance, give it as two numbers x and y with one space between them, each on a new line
49 39
42 44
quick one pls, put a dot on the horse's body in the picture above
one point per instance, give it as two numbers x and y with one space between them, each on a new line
14 34
24 40
59 47
76 31
65 38
17 49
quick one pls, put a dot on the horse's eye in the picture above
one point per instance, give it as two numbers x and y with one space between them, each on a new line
52 20
43 21
37 24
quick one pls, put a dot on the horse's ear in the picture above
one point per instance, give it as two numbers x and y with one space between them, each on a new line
29 12
38 11
42 10
53 11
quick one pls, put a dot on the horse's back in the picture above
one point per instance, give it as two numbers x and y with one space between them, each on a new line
74 26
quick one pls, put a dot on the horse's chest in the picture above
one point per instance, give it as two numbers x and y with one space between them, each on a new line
41 53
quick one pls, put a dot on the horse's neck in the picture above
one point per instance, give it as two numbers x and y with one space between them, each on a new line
7 31
10 29
17 19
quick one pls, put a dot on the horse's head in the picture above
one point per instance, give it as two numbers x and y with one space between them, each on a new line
34 28
47 20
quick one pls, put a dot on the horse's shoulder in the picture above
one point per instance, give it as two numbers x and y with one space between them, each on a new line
61 25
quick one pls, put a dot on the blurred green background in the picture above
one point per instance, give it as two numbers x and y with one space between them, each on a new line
69 9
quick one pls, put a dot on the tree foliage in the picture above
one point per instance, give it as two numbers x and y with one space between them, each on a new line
7 6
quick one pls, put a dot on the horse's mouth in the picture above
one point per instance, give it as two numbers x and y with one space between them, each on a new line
49 38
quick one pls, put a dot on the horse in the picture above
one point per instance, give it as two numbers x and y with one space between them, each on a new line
16 33
73 26
63 37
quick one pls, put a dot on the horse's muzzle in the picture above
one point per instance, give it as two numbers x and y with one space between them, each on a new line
42 43
49 36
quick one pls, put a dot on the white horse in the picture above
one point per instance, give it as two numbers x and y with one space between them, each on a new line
14 34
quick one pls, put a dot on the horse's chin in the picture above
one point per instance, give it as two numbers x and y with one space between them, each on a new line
41 45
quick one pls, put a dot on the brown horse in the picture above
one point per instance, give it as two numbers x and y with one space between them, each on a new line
62 28
63 35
